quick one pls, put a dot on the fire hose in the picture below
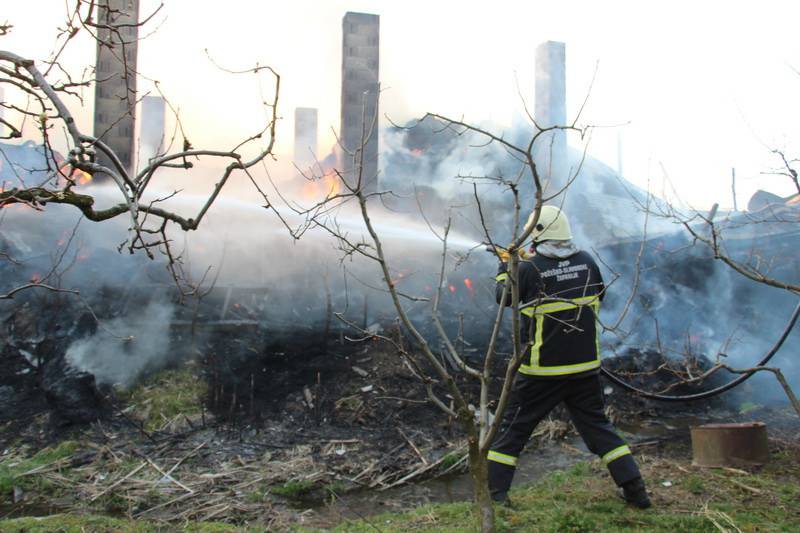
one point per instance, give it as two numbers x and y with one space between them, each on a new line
718 390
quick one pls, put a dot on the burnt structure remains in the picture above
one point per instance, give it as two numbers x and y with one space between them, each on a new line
115 90
358 153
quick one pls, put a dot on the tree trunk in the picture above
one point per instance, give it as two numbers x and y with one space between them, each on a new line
479 471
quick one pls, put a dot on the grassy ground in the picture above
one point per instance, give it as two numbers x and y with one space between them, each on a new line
20 472
579 500
166 397
266 491
583 500
96 524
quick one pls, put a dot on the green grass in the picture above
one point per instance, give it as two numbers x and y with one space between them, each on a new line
294 489
165 395
335 488
13 468
95 524
452 458
695 485
582 499
256 496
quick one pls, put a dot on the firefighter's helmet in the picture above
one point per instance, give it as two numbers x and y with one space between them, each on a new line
552 225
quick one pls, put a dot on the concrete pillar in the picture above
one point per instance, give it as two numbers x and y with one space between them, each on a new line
115 90
551 110
305 137
360 77
151 134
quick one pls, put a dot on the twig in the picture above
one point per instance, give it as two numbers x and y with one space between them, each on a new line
415 473
167 476
191 453
397 398
113 485
165 504
413 447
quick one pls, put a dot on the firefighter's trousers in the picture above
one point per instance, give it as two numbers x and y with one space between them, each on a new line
531 400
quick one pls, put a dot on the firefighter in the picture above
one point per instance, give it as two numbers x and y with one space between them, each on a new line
560 289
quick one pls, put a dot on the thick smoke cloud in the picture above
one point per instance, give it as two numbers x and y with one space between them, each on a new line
684 301
281 283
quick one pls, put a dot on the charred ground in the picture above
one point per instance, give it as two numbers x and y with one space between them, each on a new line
267 422
260 405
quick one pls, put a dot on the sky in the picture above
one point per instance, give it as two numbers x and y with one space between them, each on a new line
683 90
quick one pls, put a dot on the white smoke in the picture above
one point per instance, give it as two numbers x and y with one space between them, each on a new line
248 247
125 347
684 301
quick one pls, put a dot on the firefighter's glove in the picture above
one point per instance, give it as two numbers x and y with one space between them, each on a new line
504 255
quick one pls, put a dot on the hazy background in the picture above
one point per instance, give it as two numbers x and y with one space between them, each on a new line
702 87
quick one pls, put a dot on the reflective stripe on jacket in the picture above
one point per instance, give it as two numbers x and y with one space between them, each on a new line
560 303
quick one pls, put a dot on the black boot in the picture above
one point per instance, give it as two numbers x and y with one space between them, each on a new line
500 477
501 498
634 493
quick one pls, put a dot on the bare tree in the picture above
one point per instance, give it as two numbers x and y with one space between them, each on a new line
51 93
443 384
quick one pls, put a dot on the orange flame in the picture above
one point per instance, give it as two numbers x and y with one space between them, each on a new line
77 175
327 186
468 285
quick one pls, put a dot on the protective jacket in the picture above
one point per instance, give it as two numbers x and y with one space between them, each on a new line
560 291
559 302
